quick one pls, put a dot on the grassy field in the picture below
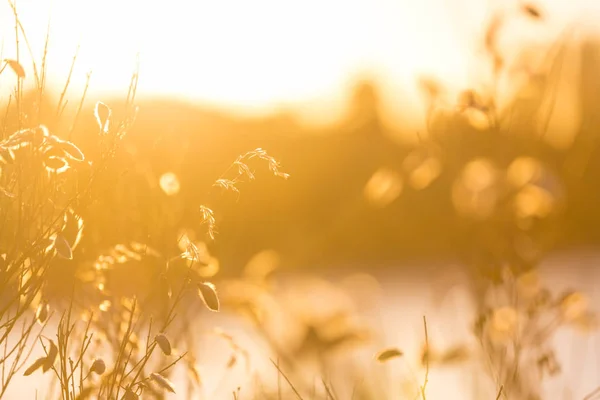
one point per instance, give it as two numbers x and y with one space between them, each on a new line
142 257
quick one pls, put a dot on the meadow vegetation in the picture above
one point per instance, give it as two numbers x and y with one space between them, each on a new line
109 313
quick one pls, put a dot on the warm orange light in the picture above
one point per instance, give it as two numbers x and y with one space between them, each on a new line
249 55
257 55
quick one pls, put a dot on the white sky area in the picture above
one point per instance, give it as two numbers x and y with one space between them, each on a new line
255 56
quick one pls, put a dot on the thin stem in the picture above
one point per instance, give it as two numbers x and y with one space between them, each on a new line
426 360
59 107
286 379
500 393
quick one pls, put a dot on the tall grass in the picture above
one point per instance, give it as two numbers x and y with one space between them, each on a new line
111 323
108 343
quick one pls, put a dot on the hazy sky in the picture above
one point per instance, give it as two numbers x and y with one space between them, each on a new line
259 54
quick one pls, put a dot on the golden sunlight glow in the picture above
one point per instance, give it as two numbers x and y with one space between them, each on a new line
256 56
247 55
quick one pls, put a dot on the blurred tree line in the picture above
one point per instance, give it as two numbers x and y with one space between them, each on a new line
322 215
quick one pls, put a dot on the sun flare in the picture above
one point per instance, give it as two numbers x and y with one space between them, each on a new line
249 56
255 57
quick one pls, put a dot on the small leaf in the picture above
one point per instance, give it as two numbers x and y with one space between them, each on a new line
42 311
71 150
36 365
532 11
163 343
51 357
102 113
388 354
98 366
162 382
73 228
63 248
208 293
16 67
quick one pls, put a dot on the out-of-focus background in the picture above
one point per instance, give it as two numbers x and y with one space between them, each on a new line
333 90
401 124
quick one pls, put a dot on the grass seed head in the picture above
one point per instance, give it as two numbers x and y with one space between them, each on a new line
208 294
388 354
162 382
98 366
163 343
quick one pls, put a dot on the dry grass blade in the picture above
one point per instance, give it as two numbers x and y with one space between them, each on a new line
41 314
16 67
51 357
328 390
35 366
163 343
388 354
63 248
102 113
287 379
162 382
500 393
208 293
427 357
